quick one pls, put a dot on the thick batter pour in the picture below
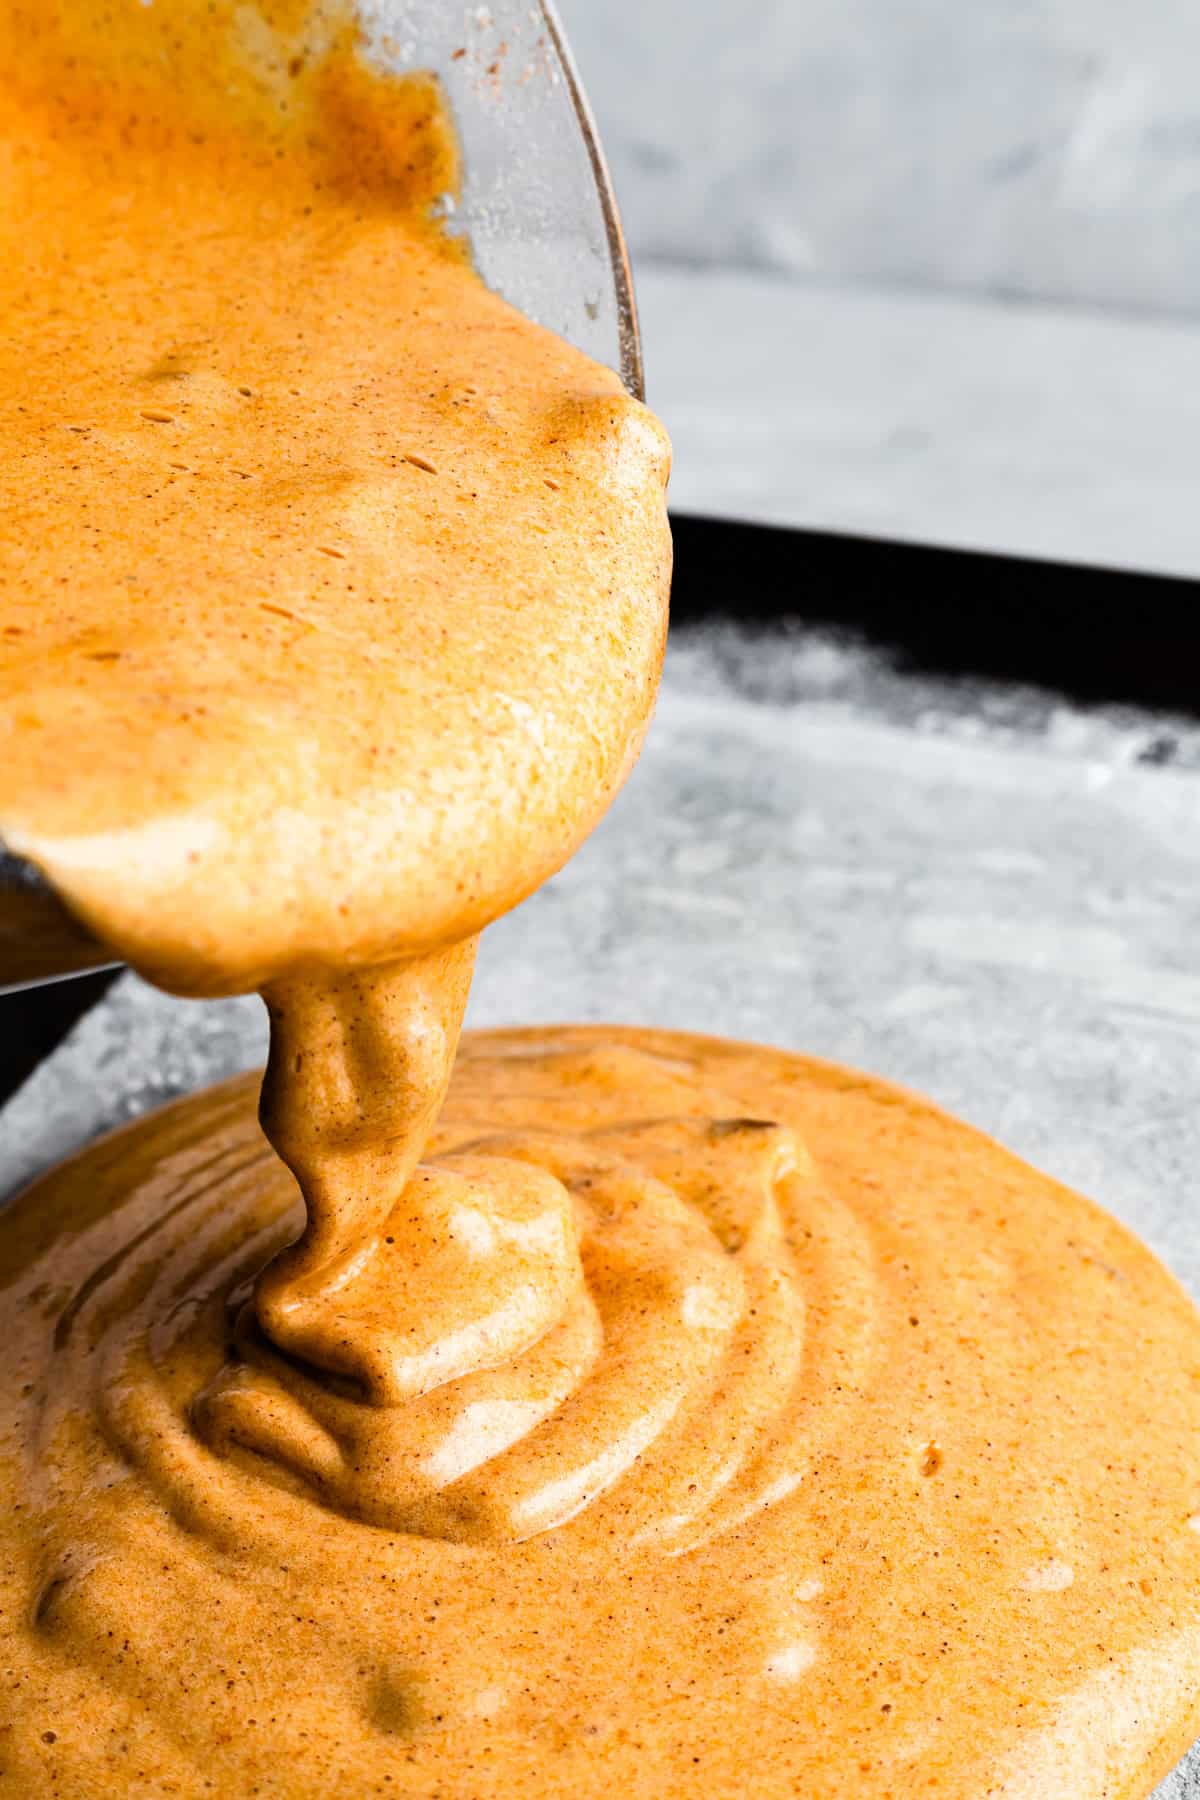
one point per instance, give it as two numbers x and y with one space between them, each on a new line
651 1416
334 590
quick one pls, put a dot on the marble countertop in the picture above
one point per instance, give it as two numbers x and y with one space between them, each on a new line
1034 429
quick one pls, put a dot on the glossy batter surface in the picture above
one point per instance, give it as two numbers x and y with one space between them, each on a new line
857 1458
649 1416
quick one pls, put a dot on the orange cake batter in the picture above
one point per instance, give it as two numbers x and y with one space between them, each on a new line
624 1413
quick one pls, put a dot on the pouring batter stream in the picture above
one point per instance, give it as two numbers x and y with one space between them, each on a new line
604 1411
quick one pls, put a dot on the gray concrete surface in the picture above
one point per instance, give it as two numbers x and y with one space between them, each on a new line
923 271
1048 148
982 893
1035 430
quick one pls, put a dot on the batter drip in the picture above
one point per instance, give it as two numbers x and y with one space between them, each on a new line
625 1412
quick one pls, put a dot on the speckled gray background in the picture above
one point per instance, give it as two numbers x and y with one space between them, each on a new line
983 893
